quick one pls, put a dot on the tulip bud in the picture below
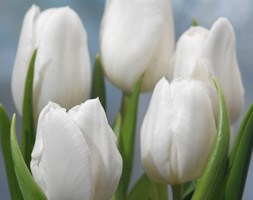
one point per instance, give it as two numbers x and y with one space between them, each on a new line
62 68
136 38
75 154
177 132
202 54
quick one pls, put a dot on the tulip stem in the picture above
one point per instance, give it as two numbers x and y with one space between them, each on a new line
177 191
126 138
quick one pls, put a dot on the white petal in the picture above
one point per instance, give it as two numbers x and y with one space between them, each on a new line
63 63
61 165
130 31
158 103
187 62
220 50
41 22
106 160
38 146
25 50
193 128
181 128
160 64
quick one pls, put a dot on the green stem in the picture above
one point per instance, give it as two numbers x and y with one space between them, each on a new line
124 103
158 191
126 137
177 191
126 148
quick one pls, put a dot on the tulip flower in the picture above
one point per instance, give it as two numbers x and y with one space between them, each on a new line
75 154
62 68
178 131
136 38
203 54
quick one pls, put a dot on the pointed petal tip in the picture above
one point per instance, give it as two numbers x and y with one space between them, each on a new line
34 7
52 105
68 12
163 81
223 20
94 102
223 24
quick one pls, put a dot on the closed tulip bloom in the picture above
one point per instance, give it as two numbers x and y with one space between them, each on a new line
203 54
177 132
136 38
62 68
75 155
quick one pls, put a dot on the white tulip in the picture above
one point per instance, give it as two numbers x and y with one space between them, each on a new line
177 132
136 38
75 154
62 68
203 54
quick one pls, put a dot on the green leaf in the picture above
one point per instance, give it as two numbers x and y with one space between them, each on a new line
117 126
126 139
239 136
28 186
240 158
28 135
6 149
145 189
213 176
140 190
188 190
98 83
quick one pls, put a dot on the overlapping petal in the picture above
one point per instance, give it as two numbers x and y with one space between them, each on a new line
24 54
62 67
220 51
105 158
75 154
177 132
136 36
203 54
61 157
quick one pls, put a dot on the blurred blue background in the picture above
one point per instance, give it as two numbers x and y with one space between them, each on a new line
240 13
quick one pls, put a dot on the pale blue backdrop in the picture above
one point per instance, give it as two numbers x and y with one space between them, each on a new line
240 14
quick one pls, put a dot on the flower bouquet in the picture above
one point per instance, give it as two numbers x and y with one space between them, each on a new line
69 151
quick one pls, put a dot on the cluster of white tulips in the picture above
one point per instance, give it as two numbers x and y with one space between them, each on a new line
68 149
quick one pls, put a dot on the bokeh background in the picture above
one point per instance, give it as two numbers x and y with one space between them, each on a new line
240 13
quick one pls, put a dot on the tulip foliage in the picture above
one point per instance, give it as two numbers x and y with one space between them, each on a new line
69 150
